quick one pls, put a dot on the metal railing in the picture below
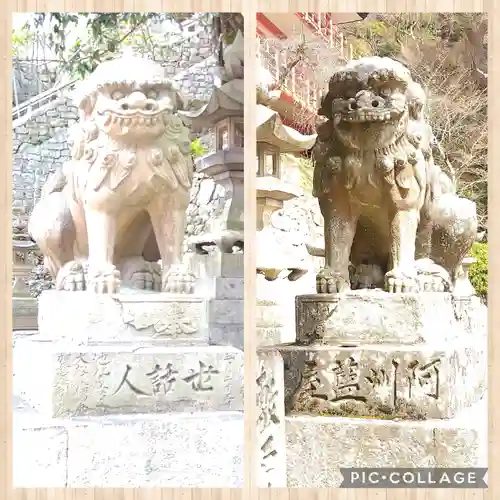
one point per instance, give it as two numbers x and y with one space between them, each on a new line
25 110
300 82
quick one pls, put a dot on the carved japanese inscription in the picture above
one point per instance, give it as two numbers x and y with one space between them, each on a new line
161 379
270 424
350 382
170 380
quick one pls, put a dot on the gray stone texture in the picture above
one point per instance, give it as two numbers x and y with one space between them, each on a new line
40 143
82 317
318 446
202 450
377 317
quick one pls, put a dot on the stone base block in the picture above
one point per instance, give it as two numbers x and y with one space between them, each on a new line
229 288
216 264
24 313
134 451
227 312
230 335
399 381
318 446
373 316
83 317
62 381
271 441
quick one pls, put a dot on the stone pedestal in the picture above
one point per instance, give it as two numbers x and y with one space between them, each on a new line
222 280
129 389
382 380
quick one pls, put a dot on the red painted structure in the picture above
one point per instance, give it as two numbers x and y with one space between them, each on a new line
299 90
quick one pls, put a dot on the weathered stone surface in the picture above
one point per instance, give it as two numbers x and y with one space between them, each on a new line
180 450
368 316
229 288
318 446
398 143
232 335
24 313
385 380
226 312
40 452
184 450
271 421
85 317
269 313
110 380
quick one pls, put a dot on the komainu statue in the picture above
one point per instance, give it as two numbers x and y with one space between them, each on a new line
389 209
118 206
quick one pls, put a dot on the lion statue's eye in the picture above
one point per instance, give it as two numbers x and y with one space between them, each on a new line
117 95
385 92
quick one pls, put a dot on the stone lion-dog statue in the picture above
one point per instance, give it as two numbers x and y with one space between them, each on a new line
388 207
118 206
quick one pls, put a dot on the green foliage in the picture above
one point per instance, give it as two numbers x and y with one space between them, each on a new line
198 149
104 35
479 270
21 38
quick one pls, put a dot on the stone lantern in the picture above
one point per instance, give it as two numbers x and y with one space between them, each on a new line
224 114
274 139
218 253
24 306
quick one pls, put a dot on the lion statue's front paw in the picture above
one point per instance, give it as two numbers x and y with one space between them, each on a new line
104 280
72 277
401 281
329 281
425 276
179 280
140 274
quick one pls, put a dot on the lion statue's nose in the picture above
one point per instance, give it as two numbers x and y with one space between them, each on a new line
137 101
365 100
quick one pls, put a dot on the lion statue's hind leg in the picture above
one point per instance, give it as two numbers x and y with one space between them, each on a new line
51 225
455 231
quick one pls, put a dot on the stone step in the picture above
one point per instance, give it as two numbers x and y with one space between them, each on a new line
82 317
127 379
374 317
316 447
165 451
